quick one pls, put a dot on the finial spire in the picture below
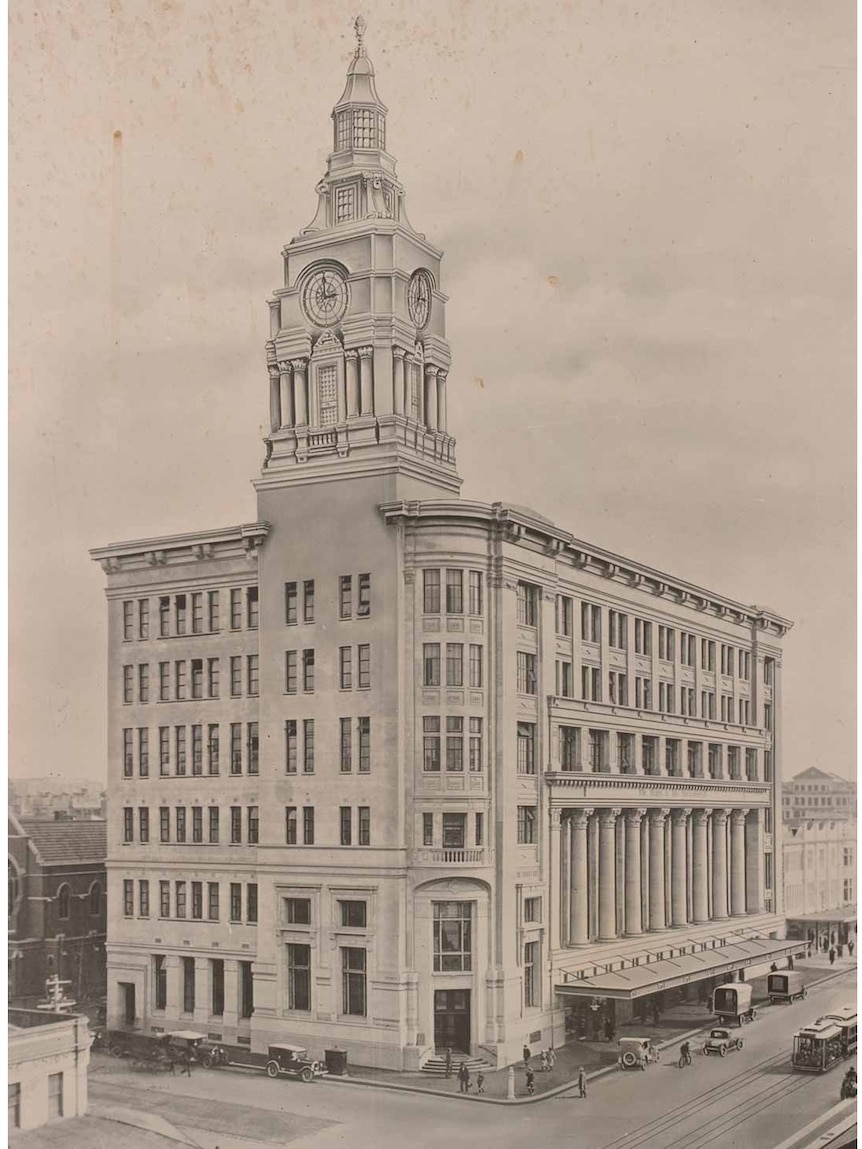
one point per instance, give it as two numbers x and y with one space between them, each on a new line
359 27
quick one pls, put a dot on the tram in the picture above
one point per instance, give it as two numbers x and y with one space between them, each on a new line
845 1018
818 1047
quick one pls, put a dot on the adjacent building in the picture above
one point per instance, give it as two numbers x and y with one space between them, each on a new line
820 881
48 1055
56 907
396 770
814 794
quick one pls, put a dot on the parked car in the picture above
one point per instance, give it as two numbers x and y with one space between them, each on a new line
636 1052
721 1041
185 1044
278 1061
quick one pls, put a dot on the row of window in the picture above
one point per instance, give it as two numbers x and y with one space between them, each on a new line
197 901
443 592
431 664
644 696
195 678
195 613
299 669
433 743
453 830
185 750
245 987
55 1100
354 599
191 829
354 827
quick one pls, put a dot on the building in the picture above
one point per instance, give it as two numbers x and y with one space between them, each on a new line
57 907
47 1070
396 770
814 794
820 881
44 798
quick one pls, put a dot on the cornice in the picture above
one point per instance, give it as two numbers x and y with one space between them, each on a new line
521 525
635 789
172 550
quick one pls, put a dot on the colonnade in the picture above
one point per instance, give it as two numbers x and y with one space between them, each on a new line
621 873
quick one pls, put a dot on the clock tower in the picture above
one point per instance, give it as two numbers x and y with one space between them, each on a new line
358 359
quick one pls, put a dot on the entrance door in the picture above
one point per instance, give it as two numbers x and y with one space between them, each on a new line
127 989
452 1020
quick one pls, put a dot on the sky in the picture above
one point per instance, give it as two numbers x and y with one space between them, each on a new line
647 213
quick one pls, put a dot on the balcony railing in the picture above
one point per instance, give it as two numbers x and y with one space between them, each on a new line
449 856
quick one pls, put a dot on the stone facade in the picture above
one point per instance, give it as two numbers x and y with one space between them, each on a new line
47 1074
815 795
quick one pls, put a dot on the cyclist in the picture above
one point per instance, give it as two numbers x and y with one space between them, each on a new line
684 1054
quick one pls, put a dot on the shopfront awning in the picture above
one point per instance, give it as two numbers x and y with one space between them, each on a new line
840 914
641 974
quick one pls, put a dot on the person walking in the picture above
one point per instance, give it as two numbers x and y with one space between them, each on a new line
448 1062
552 1057
463 1077
187 1062
544 1061
480 1082
850 948
526 1056
582 1081
531 1082
832 955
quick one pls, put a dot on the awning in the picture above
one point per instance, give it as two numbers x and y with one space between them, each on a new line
841 914
649 976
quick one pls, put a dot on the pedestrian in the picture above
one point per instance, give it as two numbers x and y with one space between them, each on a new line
448 1062
544 1061
463 1078
850 948
526 1056
187 1062
790 962
656 1014
841 949
480 1082
531 1082
773 968
552 1057
832 956
582 1081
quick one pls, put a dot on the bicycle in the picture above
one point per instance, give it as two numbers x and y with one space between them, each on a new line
684 1059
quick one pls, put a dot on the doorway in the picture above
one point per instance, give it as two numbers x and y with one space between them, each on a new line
127 989
452 1020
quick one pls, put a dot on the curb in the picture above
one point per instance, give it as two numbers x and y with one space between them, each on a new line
844 1114
394 1087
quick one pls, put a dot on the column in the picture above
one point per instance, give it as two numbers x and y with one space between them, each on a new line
700 902
607 875
657 820
300 391
555 883
431 398
274 398
231 994
737 861
578 931
203 990
565 880
366 381
754 862
398 380
441 401
350 358
678 868
285 385
719 864
634 923
173 988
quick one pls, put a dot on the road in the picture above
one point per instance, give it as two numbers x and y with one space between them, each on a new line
750 1098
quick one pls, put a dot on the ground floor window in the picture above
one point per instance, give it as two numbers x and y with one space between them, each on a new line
353 981
532 989
452 937
298 977
188 985
55 1095
160 977
217 1005
246 989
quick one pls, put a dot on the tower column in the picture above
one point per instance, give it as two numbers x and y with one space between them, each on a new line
657 919
431 398
700 903
285 387
350 358
719 863
555 876
737 862
579 920
398 381
366 381
607 874
679 868
754 862
634 923
300 391
274 398
441 401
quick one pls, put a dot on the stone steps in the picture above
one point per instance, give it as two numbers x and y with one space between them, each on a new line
436 1065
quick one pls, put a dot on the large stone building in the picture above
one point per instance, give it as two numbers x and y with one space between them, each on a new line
814 794
392 769
820 880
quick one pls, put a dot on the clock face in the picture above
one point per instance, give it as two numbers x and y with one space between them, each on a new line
419 297
324 298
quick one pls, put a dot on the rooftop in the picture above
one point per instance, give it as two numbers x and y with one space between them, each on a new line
67 841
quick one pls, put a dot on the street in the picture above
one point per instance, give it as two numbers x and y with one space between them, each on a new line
750 1098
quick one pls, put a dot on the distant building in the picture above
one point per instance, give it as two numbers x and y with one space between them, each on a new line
47 1074
46 798
820 880
57 906
816 794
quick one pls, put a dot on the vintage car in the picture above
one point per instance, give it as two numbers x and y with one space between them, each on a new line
720 1041
732 1003
185 1044
278 1061
636 1052
786 985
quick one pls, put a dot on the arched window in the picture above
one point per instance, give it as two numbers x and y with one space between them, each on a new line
14 888
63 901
95 899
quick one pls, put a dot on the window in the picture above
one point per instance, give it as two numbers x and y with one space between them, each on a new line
769 671
353 981
527 825
308 825
297 911
308 600
214 824
745 713
164 824
363 654
847 887
181 823
454 664
212 901
308 671
565 679
298 977
197 901
180 741
707 704
144 682
687 648
180 897
251 608
475 595
308 748
727 659
180 680
353 914
626 753
291 616
164 901
346 825
477 673
665 697
236 748
128 754
345 596
345 668
617 630
666 644
197 614
454 831
251 903
744 665
55 1095
128 824
235 902
618 688
128 684
528 604
246 989
253 747
217 986
164 617
212 748
160 978
526 748
649 753
751 764
598 747
212 609
707 654
715 756
235 825
253 822
671 757
290 825
164 681
197 823
591 622
476 751
532 909
431 742
527 683
128 631
128 899
143 824
643 636
695 762
197 750
643 693
346 743
188 984
767 768
431 663
569 748
455 743
532 993
364 817
591 683
453 943
726 708
687 703
180 608
253 675
364 730
363 609
563 615
431 592
454 592
427 829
